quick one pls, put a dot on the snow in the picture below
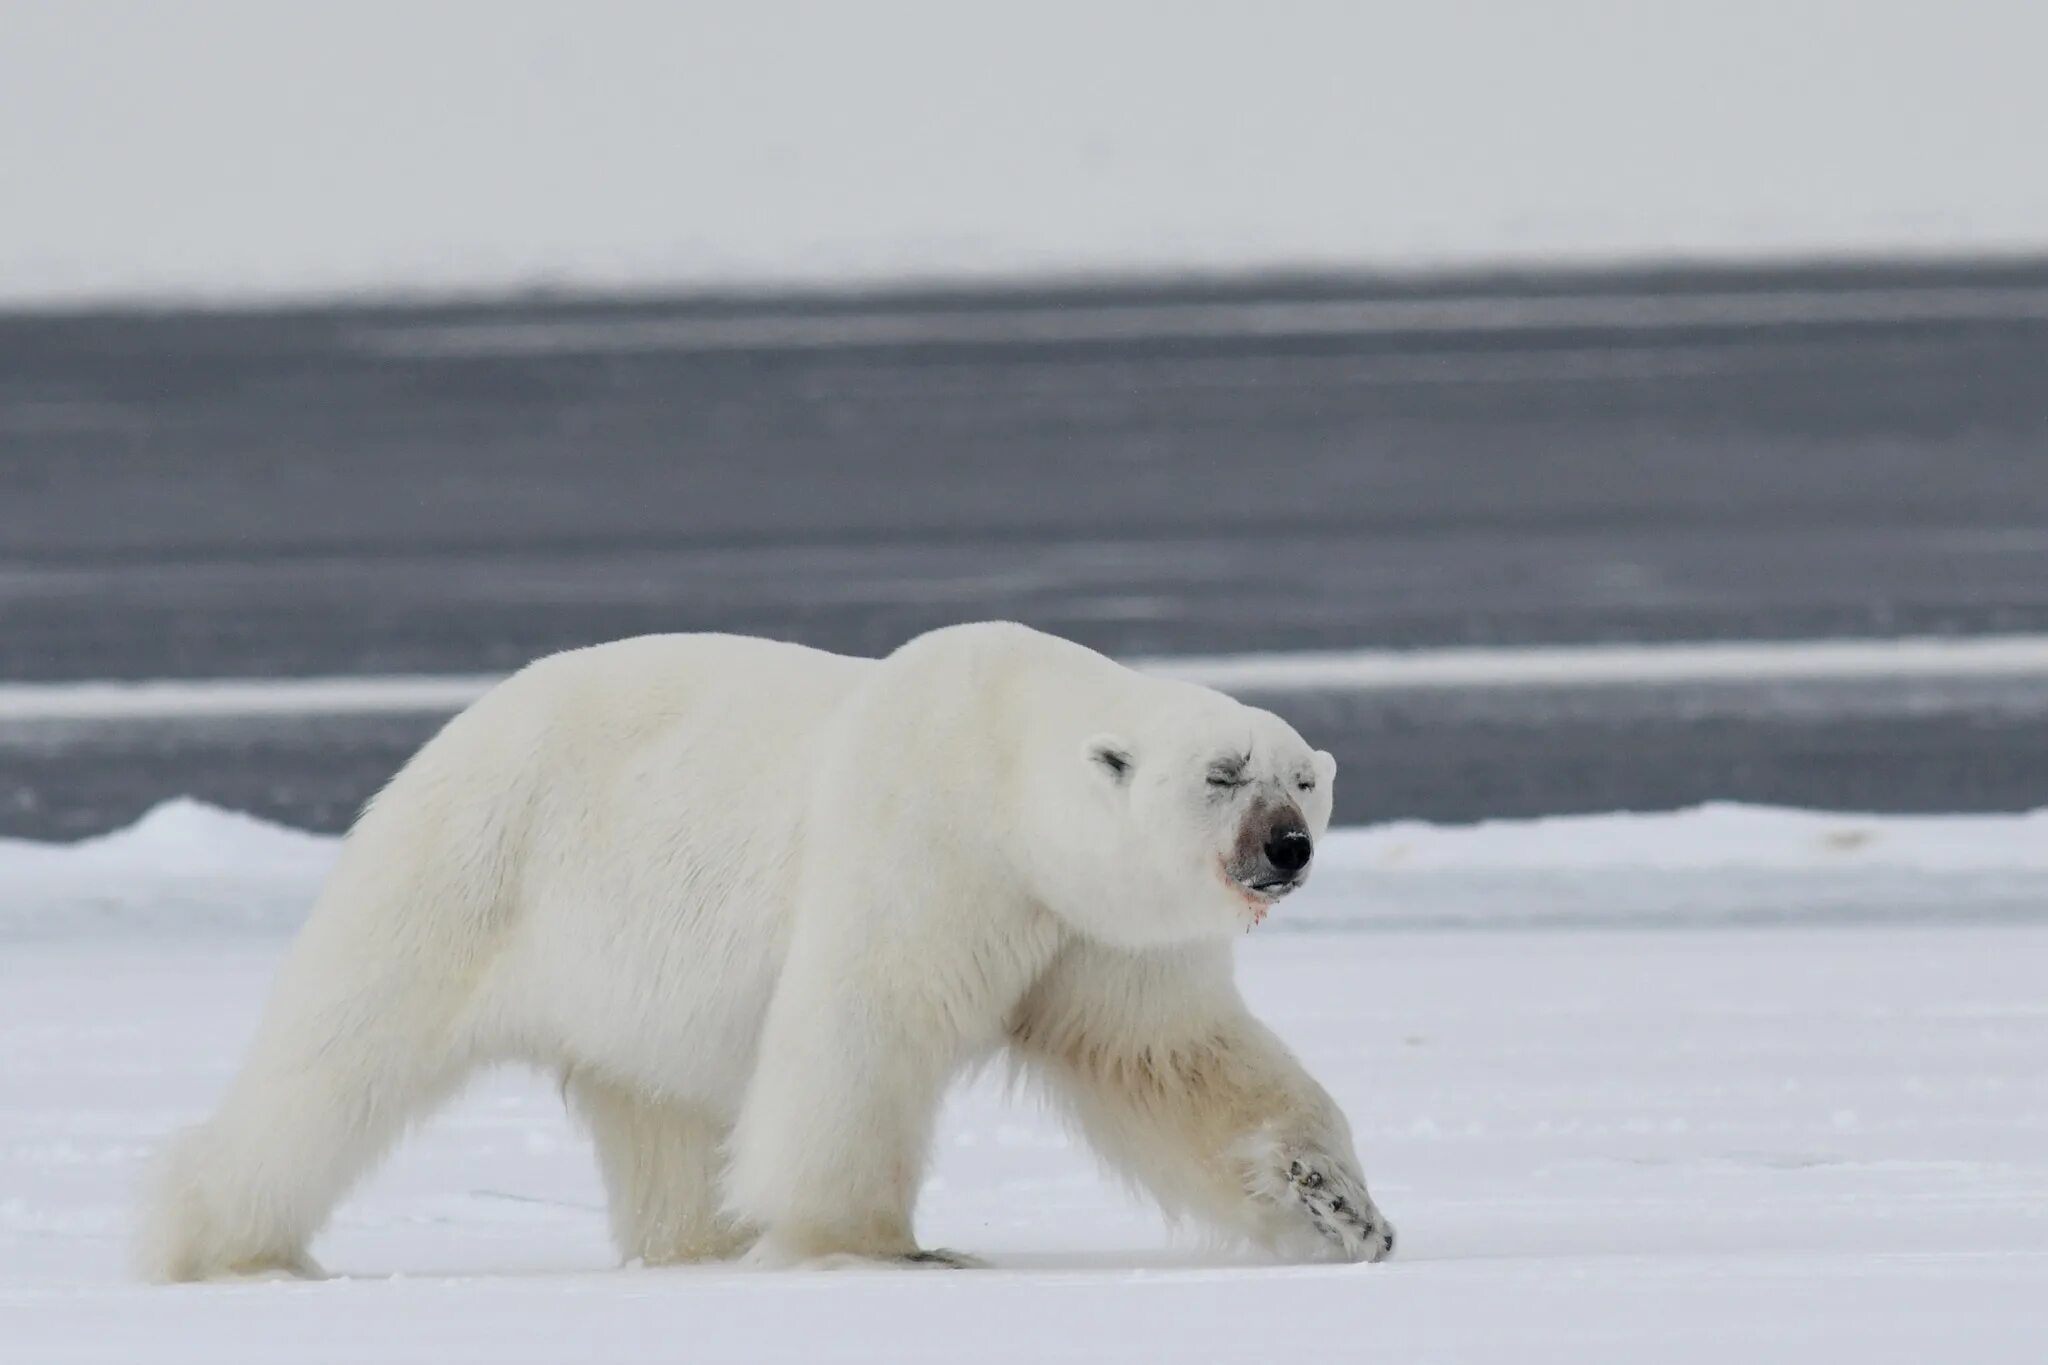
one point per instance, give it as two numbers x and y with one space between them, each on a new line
186 867
1823 1139
238 150
1699 1145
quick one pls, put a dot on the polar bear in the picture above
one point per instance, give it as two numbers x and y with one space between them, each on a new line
757 905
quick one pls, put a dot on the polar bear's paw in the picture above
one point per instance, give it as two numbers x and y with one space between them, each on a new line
1341 1211
1318 1209
276 1268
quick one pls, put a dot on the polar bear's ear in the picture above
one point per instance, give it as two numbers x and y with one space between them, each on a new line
1110 757
1326 767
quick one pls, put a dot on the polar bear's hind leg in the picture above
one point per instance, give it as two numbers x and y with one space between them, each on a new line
368 1028
245 1192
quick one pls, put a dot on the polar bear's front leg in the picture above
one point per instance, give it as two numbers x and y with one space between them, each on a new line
660 1162
830 1148
1178 1086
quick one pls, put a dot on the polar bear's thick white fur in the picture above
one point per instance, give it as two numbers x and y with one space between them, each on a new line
759 905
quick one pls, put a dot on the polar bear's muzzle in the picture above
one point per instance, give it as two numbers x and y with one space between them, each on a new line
1273 852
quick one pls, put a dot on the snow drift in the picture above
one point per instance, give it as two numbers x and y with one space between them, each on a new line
186 866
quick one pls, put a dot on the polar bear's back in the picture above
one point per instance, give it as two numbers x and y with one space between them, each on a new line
612 756
658 678
669 755
677 769
663 736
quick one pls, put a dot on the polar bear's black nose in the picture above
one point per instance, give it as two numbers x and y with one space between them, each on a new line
1288 850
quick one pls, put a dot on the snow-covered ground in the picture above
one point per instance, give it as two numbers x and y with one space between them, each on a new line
1699 1145
1668 1141
237 149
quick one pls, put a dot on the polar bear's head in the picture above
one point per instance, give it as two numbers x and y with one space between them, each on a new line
1207 813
